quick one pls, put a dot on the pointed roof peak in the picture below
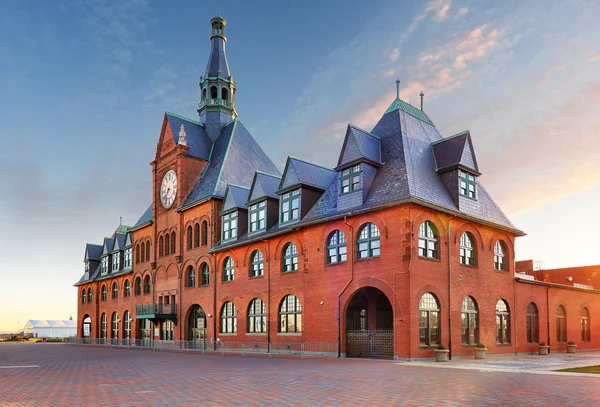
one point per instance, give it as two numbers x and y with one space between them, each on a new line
399 104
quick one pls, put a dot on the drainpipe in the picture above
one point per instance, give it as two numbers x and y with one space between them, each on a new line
449 293
268 268
351 261
214 267
513 319
548 314
405 272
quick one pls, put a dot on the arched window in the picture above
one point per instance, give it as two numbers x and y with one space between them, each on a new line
533 329
290 315
127 326
138 286
228 318
429 320
213 92
167 244
103 326
190 238
147 285
228 269
127 289
224 94
89 295
205 274
197 325
257 317
115 290
191 277
115 326
469 321
143 251
428 241
204 233
196 235
289 260
367 244
137 254
161 246
148 250
467 249
500 256
104 293
561 324
173 243
204 94
257 266
585 325
502 323
336 247
83 296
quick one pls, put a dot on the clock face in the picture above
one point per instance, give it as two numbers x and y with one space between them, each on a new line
168 189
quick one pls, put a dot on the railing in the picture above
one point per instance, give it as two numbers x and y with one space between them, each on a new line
153 309
214 102
303 350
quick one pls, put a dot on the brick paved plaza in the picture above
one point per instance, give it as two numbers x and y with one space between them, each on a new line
64 375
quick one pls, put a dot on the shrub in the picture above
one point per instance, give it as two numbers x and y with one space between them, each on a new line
570 343
441 347
480 346
542 344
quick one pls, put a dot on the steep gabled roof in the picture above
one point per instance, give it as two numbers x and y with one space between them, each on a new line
119 241
264 186
235 158
128 242
298 172
107 245
359 145
145 218
92 252
235 197
455 151
200 144
407 108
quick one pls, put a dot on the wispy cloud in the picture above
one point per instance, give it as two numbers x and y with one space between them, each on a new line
595 57
439 9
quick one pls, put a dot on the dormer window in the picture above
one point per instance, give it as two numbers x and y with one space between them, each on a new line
229 226
128 257
104 267
290 206
351 179
116 260
467 184
258 216
87 267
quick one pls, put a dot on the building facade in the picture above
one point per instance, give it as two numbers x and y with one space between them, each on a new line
396 250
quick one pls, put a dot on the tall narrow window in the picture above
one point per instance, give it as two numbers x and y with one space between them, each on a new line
127 326
104 292
190 238
166 330
173 243
138 286
196 235
148 250
228 318
257 317
116 258
115 290
467 184
585 325
290 206
258 216
115 326
143 258
532 327
428 241
368 243
429 320
257 266
161 246
191 277
127 289
147 285
289 258
204 233
228 269
83 296
561 324
167 243
500 256
336 247
103 326
229 222
290 315
467 250
89 295
205 274
127 262
137 254
469 322
502 323
350 180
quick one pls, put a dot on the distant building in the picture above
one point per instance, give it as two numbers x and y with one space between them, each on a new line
44 328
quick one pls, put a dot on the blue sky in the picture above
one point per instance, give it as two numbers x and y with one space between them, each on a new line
83 88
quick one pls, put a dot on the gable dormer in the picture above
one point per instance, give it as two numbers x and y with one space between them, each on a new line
301 186
263 202
455 161
91 258
128 252
357 166
234 215
105 259
117 251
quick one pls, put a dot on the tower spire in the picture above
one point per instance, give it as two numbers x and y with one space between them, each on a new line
422 95
217 88
397 88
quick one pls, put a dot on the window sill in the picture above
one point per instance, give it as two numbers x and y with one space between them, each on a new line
256 334
228 281
470 266
289 272
189 288
425 347
289 334
256 277
228 334
503 345
339 263
367 258
433 259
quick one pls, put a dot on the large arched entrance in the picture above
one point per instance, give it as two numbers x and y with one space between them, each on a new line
196 327
370 325
86 327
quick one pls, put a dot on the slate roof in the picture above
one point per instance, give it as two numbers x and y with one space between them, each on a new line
298 172
235 158
217 59
359 144
235 197
197 139
409 109
119 241
145 218
107 245
454 151
94 251
264 186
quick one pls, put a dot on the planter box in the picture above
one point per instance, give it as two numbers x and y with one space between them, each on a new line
571 348
480 353
543 350
441 355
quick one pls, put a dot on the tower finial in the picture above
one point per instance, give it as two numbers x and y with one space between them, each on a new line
397 88
182 136
421 94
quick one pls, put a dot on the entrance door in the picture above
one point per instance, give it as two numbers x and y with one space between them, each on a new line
145 332
369 325
197 328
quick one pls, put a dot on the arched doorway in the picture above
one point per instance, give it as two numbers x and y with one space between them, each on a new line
370 325
196 327
86 327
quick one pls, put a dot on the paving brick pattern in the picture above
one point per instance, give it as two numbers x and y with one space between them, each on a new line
88 376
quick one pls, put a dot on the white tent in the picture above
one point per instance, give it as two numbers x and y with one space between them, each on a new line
42 328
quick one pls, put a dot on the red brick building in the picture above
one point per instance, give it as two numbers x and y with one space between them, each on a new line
397 249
